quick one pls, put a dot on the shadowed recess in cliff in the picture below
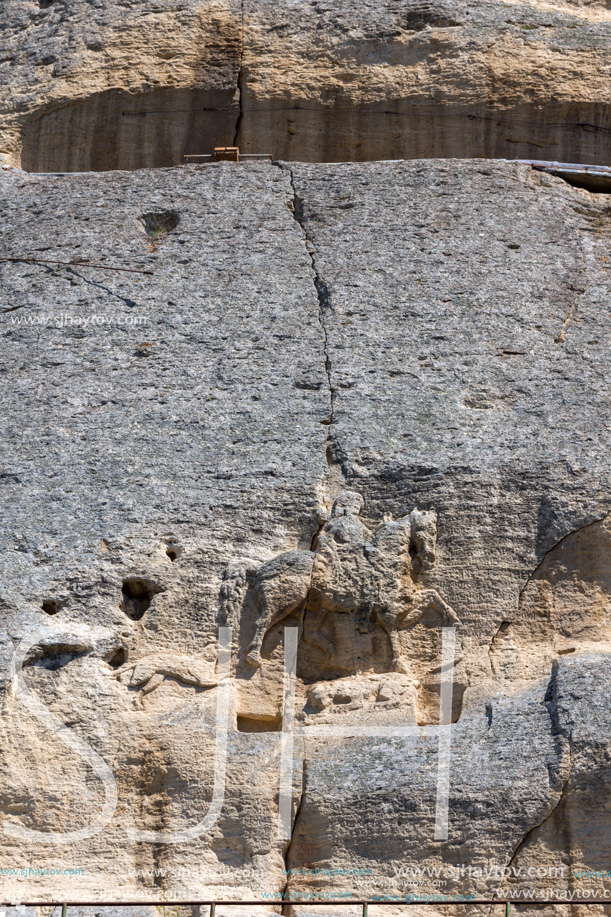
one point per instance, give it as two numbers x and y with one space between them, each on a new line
116 130
99 133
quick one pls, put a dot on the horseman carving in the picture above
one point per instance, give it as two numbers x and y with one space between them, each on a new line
351 569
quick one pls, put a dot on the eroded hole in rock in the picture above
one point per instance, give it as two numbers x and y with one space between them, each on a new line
416 562
138 594
45 4
50 606
117 658
172 550
252 723
158 225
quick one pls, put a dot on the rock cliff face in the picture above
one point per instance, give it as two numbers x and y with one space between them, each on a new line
305 530
117 85
365 401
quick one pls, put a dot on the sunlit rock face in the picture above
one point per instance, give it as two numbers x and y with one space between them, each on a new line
364 401
305 534
118 85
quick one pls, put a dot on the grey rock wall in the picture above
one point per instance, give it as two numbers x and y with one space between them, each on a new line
425 334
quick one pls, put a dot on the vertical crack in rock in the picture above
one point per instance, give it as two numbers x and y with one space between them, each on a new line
540 824
334 454
504 624
550 701
324 305
240 84
293 829
564 747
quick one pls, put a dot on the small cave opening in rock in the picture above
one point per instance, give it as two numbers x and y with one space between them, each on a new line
120 130
158 225
117 658
50 606
138 593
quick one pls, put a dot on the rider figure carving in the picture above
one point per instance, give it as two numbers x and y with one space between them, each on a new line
351 570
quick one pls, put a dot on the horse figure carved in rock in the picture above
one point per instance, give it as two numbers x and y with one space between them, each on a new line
350 568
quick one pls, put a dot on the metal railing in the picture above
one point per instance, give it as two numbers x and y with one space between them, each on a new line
364 903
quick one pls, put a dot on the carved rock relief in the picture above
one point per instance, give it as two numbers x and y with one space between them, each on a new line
151 671
352 596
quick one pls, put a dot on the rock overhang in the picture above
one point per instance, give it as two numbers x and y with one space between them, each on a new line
105 86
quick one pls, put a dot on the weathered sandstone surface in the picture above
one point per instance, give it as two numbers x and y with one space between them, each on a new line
107 84
428 336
